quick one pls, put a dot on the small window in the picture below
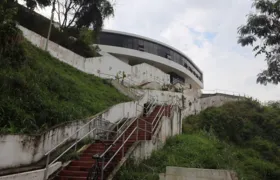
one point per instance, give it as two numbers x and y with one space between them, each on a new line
140 47
168 56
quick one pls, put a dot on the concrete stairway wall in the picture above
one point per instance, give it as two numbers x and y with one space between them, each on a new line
78 169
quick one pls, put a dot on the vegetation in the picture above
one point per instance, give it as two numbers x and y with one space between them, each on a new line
83 13
44 92
263 32
241 136
11 52
37 91
39 24
77 13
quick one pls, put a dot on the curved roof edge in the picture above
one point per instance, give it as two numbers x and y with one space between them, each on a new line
152 40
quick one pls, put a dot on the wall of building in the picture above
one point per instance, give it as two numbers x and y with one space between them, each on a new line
146 73
179 69
105 66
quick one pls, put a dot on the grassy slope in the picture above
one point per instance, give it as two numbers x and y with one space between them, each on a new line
201 150
240 136
45 92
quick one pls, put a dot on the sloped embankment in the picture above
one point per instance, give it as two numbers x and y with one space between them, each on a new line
241 136
44 92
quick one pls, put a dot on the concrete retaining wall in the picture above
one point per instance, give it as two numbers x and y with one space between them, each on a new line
100 66
20 150
180 173
32 175
146 73
216 100
167 128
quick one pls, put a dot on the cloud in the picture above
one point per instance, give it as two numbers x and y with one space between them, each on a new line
206 31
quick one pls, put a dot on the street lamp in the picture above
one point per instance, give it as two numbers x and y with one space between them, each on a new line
50 28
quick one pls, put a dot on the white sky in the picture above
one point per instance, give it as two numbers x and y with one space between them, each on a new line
206 31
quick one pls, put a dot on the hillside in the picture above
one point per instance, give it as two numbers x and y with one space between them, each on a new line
44 92
241 136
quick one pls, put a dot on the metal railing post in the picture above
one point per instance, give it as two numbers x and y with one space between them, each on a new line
145 130
123 146
76 141
137 129
47 167
102 168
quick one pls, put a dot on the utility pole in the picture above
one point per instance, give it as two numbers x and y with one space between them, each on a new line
50 28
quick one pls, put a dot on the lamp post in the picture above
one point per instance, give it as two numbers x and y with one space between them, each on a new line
50 27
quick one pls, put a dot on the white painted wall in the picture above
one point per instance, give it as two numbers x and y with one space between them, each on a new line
54 49
147 73
153 59
216 100
32 175
105 66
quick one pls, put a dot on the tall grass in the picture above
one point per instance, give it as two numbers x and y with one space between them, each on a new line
240 136
45 92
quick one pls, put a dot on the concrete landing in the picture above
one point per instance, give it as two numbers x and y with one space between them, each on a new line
180 173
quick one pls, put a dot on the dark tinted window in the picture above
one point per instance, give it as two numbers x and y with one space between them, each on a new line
146 46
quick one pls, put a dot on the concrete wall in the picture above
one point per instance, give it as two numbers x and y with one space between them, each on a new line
167 128
147 73
32 175
181 173
192 102
105 66
216 100
19 150
179 69
54 49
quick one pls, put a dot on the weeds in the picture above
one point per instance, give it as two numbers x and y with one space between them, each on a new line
241 136
45 92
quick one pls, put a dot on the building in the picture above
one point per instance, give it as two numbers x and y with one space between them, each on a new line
134 50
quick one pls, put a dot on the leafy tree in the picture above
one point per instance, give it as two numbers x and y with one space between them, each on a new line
11 52
263 32
83 13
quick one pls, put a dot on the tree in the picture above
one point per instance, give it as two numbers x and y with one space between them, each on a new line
262 31
11 52
83 13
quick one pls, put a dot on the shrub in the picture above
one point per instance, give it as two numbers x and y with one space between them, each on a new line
11 51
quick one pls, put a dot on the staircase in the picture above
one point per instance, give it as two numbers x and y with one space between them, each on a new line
137 129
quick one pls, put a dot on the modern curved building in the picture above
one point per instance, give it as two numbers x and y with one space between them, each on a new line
134 49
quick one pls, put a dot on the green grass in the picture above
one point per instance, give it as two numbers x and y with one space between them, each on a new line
45 92
241 136
202 150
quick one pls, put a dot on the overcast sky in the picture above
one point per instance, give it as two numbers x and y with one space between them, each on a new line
206 31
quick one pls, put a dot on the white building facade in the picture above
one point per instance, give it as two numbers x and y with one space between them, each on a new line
144 60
